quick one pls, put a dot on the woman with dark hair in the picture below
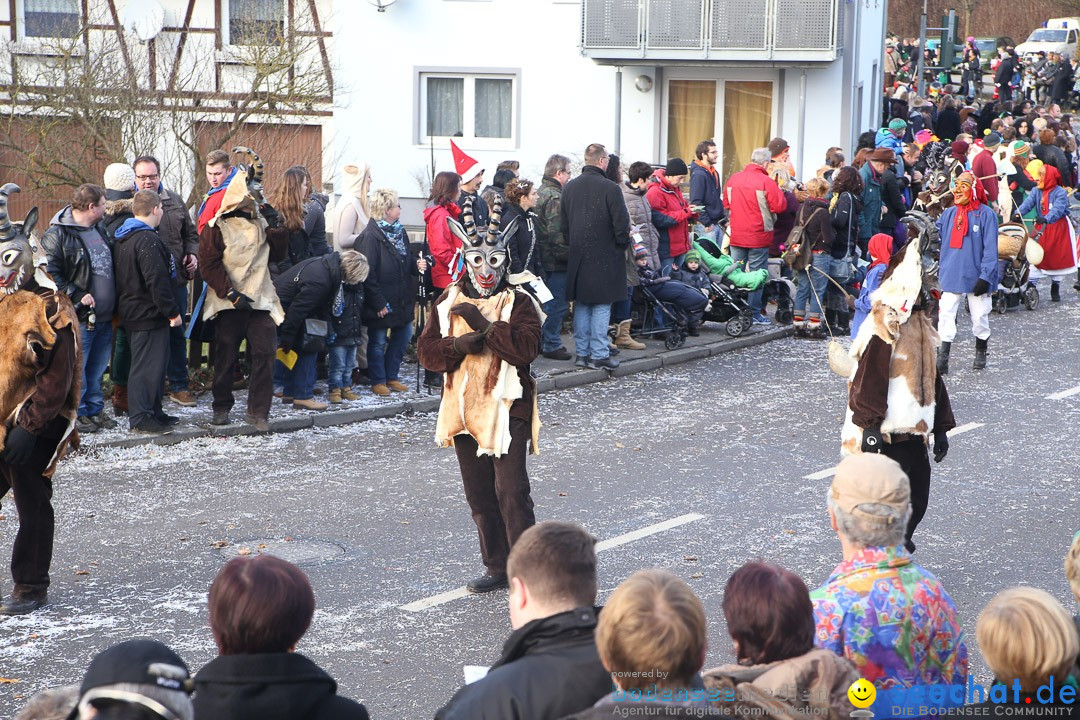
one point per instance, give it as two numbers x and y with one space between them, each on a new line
260 607
845 209
771 622
442 245
1023 129
302 216
521 197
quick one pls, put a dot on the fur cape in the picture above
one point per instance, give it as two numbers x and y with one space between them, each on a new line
477 395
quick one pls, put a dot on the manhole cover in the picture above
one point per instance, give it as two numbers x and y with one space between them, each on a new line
298 552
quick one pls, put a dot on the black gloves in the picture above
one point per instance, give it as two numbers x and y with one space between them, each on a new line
871 440
238 300
981 286
1040 219
19 446
472 315
272 216
941 446
469 343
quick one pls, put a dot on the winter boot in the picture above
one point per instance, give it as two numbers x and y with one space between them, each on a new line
348 394
1076 287
980 354
335 396
692 329
1055 292
830 319
119 400
843 323
814 329
943 358
623 339
799 323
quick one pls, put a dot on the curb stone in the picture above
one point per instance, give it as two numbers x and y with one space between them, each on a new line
558 380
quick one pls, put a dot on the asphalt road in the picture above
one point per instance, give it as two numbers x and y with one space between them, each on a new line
379 512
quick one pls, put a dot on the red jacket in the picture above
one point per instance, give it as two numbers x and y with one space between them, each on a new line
669 202
752 199
442 244
984 168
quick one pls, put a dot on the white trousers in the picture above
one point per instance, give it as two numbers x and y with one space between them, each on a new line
978 306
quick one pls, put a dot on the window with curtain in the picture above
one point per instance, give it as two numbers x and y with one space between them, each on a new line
747 122
691 116
494 107
256 22
475 107
445 106
51 18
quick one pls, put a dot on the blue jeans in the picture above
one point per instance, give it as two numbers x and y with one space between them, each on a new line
300 381
666 264
340 360
621 310
556 311
385 349
590 330
97 349
752 259
713 234
817 279
177 372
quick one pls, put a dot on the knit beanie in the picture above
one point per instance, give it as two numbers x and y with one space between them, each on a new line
992 141
897 124
692 256
675 166
640 251
119 176
959 150
1020 148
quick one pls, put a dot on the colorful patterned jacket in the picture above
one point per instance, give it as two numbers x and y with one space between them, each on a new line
892 619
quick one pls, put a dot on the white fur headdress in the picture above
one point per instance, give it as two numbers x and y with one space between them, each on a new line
902 282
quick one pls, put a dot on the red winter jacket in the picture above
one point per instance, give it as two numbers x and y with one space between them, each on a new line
442 244
671 214
985 169
752 199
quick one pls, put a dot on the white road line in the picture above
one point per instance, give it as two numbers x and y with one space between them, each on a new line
614 542
829 472
1064 393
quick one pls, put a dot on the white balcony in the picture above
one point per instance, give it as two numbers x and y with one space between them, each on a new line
617 31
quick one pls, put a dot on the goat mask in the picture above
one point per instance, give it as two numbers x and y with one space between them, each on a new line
484 250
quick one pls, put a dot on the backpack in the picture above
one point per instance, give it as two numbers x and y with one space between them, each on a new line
798 255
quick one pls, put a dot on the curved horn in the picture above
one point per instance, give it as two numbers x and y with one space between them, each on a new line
495 219
7 230
255 172
468 220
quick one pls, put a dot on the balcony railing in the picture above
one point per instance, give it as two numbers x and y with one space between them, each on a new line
780 30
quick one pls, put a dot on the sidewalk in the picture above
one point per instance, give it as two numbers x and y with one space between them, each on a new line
550 375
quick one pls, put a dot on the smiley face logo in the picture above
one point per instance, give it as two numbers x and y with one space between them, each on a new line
862 693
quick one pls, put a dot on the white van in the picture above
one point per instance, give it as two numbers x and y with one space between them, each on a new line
1059 36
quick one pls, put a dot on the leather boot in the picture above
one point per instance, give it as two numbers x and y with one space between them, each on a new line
980 354
623 339
119 400
1077 285
943 358
1055 292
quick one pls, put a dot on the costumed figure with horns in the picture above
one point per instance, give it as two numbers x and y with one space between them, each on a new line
236 247
40 362
483 335
969 266
1058 239
896 398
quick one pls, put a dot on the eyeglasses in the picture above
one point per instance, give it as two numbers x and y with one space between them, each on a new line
147 177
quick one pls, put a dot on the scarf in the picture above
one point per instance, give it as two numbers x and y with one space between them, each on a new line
396 233
211 202
960 226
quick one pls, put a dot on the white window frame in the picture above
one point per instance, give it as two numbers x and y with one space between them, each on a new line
468 140
20 25
226 24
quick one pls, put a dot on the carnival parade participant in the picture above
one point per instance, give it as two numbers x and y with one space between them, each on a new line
1058 240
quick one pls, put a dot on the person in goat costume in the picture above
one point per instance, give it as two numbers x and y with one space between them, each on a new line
40 361
483 336
896 397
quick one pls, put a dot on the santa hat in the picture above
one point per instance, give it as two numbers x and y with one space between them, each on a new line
464 165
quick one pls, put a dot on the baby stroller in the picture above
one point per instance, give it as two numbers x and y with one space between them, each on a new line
645 307
728 304
1015 286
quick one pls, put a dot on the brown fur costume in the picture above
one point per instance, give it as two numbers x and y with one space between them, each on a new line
26 330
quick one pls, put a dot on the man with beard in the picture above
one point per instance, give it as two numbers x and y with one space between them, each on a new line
483 336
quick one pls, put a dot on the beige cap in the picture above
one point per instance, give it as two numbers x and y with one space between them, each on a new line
871 478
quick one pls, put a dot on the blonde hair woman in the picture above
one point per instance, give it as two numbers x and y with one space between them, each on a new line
1028 640
353 211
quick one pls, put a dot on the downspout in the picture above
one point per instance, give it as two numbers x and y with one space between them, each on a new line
618 111
856 121
802 122
876 118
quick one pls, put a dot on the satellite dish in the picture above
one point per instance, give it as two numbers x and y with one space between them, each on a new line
144 18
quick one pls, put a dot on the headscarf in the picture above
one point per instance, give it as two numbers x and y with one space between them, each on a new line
880 247
1051 179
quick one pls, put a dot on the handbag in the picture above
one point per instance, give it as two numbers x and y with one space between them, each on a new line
314 338
798 255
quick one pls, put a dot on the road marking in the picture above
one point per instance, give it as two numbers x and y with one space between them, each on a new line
458 593
829 472
1064 393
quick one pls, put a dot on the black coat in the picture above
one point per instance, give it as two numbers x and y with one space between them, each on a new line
310 240
1005 71
1053 155
391 281
68 259
596 226
145 273
948 124
306 291
817 225
845 224
350 323
893 201
271 686
523 243
1063 80
549 668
